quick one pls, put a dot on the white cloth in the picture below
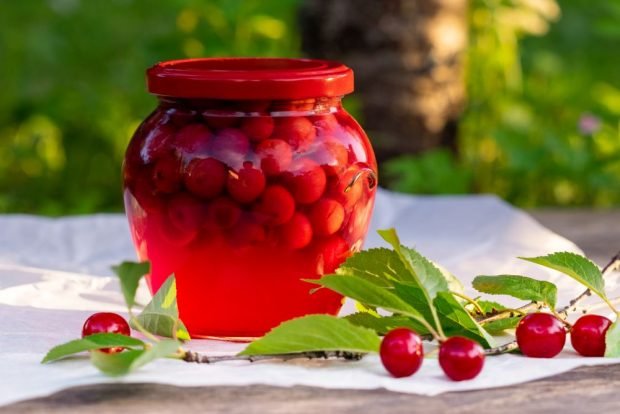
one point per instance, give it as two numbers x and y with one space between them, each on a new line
55 272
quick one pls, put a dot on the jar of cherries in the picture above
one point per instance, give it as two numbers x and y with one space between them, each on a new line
247 178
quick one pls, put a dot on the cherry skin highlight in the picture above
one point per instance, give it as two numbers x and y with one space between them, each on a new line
541 335
588 335
106 322
461 358
401 352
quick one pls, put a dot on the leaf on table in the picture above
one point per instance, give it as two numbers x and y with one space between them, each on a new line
520 287
92 342
130 274
161 315
384 324
578 267
457 321
315 333
612 340
367 292
125 362
500 325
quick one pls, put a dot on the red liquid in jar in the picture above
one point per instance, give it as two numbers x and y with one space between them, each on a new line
241 216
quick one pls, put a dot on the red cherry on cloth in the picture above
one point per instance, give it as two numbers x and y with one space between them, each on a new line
461 358
246 184
306 180
205 177
275 156
541 335
106 322
401 352
297 131
326 216
588 335
258 128
297 232
276 205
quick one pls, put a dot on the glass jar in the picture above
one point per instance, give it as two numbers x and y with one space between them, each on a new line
247 178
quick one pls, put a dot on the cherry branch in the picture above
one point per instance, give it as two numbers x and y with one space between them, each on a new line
191 356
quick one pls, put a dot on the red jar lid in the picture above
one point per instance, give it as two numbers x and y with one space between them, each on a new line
250 78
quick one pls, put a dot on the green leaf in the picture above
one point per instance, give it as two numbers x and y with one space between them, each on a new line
612 340
424 272
130 274
91 342
124 362
490 307
520 287
384 324
161 315
457 321
379 264
315 333
367 292
578 267
500 325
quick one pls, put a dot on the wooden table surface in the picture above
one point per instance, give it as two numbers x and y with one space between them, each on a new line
583 390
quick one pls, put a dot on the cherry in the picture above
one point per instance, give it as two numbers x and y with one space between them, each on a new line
332 156
192 139
541 335
330 253
401 352
297 232
588 335
220 119
297 131
276 205
326 216
348 187
205 177
461 358
258 128
223 213
157 142
167 174
325 123
306 181
247 184
186 213
106 322
229 146
275 156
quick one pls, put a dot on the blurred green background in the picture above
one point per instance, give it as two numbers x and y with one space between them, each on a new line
542 125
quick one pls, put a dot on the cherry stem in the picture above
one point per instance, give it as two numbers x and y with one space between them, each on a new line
191 356
470 300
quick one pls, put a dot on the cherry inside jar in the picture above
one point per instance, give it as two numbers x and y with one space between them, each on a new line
248 177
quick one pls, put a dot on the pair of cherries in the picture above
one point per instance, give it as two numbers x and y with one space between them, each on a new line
542 335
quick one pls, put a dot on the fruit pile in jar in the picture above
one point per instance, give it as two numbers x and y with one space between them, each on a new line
223 187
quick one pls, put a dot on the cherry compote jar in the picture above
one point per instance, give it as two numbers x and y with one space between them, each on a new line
248 178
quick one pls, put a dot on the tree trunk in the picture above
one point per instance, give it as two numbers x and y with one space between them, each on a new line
408 61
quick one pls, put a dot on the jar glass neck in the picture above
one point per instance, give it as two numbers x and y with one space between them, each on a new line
239 107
